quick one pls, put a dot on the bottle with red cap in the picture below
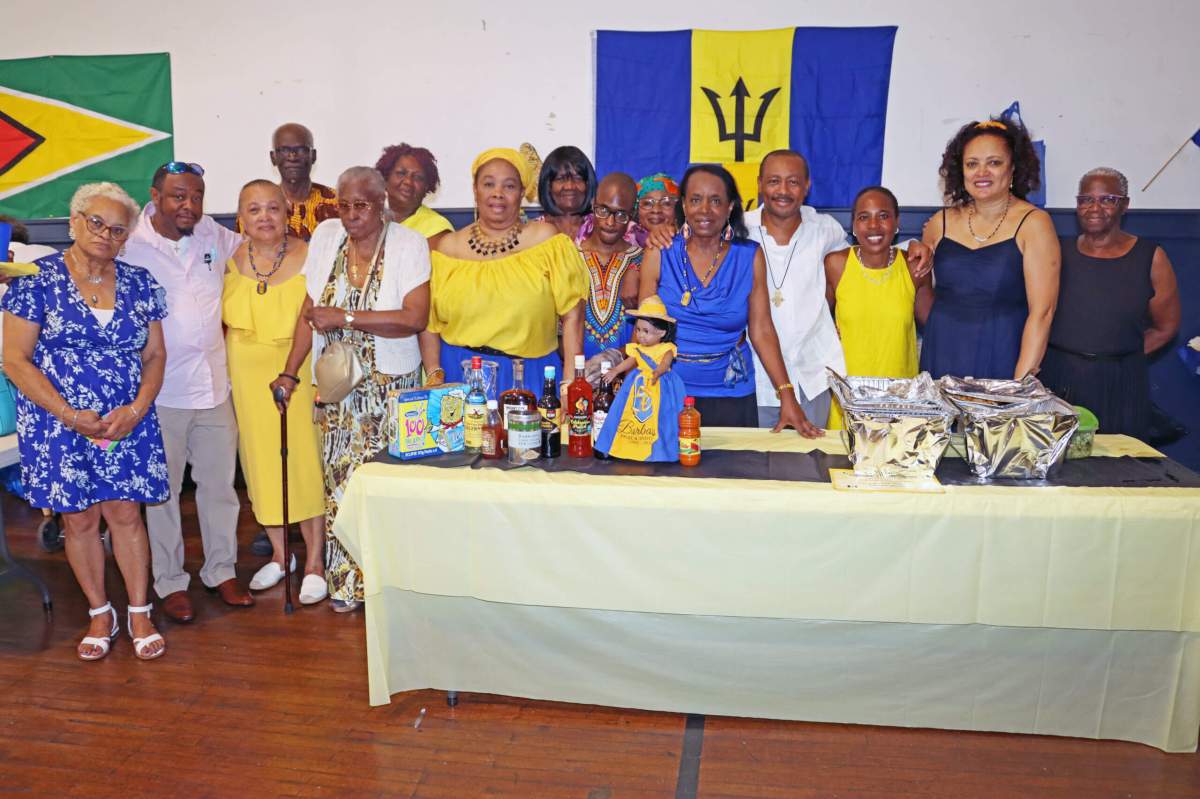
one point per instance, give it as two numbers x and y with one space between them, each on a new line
475 415
689 433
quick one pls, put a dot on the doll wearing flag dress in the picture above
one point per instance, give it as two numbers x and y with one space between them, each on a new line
643 423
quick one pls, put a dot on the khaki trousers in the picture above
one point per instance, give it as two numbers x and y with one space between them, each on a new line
207 439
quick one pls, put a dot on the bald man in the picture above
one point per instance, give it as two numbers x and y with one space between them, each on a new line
293 154
612 265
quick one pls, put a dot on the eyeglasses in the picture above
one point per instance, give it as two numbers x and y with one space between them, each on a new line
98 227
649 203
181 167
1107 200
344 207
604 212
297 150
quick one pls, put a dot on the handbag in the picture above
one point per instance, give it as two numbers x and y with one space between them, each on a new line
338 371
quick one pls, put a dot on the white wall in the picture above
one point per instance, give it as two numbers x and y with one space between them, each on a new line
1104 82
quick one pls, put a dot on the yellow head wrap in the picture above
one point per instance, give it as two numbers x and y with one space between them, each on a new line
525 161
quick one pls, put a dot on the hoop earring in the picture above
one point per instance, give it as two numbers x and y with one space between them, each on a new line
686 230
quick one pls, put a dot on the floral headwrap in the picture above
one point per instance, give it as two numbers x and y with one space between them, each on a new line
659 181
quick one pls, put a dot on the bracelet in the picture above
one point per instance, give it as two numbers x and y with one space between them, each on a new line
137 415
293 378
779 390
438 372
74 419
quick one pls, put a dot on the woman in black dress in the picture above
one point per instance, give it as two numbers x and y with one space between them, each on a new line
1117 303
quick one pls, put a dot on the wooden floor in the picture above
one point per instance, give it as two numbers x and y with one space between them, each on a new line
254 703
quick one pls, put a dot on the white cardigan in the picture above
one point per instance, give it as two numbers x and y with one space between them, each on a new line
405 267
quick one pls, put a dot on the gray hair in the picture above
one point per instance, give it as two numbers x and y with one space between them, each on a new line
88 192
369 176
1107 172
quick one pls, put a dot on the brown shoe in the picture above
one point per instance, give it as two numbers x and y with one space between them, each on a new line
178 607
234 593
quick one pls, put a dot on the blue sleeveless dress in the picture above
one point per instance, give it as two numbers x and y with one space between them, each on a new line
714 354
979 310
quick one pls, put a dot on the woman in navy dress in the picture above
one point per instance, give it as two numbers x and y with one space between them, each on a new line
713 280
83 345
996 259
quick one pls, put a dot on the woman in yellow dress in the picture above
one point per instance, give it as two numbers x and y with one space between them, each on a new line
500 286
264 291
873 296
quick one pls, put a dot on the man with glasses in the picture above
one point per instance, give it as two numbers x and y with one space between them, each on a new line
611 263
186 252
293 154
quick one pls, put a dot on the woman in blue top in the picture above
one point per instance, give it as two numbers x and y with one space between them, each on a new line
713 281
83 344
996 259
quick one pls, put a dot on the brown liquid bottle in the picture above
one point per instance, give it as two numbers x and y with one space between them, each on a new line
492 445
689 434
517 398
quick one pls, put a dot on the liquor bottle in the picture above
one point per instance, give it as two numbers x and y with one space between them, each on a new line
517 397
600 407
493 433
579 414
476 410
551 410
689 434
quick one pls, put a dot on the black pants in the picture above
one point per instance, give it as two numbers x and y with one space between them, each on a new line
728 411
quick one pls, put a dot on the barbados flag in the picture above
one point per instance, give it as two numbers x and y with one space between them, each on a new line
70 120
664 100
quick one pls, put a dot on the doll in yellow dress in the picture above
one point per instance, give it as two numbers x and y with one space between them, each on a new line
643 423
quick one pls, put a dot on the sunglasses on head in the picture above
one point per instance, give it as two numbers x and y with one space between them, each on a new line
182 167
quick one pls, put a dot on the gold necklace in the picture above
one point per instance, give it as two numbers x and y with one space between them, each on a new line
971 212
483 244
867 270
687 295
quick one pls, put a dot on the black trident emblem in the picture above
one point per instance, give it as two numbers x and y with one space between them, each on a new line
739 137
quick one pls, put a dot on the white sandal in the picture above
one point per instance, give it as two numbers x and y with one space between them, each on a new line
103 643
140 644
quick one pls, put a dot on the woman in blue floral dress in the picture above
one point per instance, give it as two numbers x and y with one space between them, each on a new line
84 347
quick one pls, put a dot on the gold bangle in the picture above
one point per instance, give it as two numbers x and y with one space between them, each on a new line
438 372
779 390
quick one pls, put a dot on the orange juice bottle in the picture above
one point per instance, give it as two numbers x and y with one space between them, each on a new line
689 434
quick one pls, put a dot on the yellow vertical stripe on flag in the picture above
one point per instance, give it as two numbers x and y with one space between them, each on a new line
762 62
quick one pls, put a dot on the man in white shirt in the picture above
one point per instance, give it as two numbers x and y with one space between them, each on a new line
795 240
186 252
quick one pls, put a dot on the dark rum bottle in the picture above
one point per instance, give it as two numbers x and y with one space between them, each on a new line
517 397
551 410
600 407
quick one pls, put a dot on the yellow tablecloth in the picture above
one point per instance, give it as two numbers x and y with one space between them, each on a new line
487 580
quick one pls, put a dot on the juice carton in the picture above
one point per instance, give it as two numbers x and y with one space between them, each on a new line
426 421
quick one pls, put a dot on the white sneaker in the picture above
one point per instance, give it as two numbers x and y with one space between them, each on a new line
269 575
313 589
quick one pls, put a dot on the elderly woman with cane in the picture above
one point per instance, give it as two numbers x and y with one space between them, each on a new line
264 291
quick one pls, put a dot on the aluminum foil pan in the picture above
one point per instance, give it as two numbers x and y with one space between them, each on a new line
1012 428
895 427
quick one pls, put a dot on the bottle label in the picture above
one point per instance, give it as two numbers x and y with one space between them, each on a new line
598 423
506 408
473 422
551 419
490 442
689 446
581 420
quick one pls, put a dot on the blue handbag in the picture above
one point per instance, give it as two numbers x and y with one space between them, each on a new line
8 407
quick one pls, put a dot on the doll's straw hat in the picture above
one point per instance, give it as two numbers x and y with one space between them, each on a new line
651 308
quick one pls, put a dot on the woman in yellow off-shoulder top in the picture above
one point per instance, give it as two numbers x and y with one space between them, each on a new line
499 286
264 290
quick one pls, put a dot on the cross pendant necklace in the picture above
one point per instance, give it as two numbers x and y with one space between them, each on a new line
777 296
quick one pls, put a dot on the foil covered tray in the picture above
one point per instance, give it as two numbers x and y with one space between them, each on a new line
895 427
1012 428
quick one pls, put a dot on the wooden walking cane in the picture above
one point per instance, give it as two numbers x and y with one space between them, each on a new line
280 400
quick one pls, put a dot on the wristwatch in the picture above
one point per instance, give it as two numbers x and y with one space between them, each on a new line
349 320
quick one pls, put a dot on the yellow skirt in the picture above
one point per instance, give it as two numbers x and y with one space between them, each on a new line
252 368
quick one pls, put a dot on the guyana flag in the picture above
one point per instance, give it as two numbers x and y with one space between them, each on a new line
70 120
